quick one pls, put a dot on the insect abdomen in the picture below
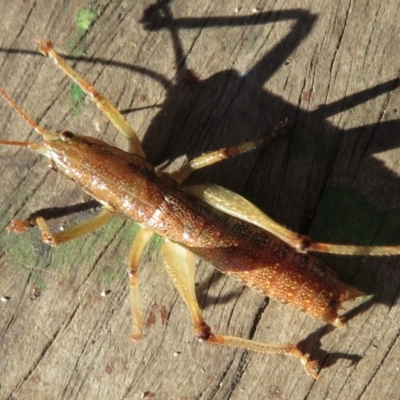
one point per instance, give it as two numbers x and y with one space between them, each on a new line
266 264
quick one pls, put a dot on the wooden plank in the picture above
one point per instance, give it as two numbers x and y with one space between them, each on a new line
194 77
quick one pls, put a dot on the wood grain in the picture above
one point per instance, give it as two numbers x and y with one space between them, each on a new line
193 77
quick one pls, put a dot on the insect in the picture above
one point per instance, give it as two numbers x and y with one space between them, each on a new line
206 220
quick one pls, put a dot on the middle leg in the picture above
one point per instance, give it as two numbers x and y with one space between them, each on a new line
214 157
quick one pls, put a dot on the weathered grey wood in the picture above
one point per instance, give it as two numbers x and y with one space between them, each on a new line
331 68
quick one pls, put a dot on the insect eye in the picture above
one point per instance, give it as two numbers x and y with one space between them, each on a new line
52 166
66 136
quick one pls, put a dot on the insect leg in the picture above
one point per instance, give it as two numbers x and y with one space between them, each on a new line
237 206
180 265
105 105
213 157
74 232
231 203
139 243
353 250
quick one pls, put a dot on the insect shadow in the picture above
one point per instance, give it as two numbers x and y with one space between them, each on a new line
229 108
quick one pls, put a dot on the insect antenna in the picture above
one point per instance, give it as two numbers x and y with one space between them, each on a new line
26 117
41 131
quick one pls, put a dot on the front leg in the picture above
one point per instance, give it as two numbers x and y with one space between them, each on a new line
101 101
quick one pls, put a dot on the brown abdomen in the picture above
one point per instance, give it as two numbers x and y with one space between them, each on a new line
268 265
